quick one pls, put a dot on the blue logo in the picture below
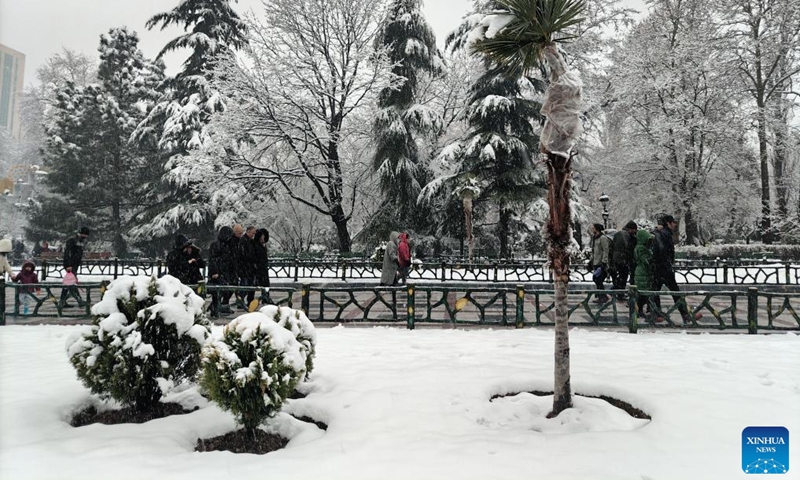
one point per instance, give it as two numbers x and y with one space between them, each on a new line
765 450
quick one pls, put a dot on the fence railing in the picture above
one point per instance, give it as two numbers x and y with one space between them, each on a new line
752 310
718 272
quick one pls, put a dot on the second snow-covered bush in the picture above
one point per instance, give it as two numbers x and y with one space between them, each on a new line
301 327
253 368
146 336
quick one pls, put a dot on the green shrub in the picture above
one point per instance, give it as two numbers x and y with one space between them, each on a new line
253 368
146 336
301 327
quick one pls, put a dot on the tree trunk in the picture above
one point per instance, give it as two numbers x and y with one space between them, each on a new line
467 202
692 228
766 220
340 220
578 235
559 171
560 133
502 232
780 161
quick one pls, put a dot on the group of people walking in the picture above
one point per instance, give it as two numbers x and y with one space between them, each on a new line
640 257
237 257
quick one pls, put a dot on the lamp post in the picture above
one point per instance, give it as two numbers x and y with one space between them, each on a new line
604 200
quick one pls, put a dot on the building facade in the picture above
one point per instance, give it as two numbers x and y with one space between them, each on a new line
12 76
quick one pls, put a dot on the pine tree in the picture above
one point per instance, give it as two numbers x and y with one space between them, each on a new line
495 153
93 170
177 122
402 123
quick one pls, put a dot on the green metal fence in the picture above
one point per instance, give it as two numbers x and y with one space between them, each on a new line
499 305
707 272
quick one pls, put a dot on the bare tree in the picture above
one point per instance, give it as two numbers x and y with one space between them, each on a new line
310 65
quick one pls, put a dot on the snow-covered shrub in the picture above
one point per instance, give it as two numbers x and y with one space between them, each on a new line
301 327
146 337
253 368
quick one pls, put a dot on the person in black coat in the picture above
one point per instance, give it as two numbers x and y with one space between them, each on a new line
663 273
246 264
184 261
621 256
73 256
262 257
222 269
73 251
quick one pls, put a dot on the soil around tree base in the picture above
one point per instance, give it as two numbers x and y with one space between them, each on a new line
621 404
258 442
240 441
90 415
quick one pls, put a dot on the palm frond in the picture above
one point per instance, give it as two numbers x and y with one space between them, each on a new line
536 24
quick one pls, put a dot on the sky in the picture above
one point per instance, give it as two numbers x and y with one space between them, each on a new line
40 28
403 404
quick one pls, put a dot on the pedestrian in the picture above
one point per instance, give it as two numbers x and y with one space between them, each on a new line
262 257
643 273
663 272
37 249
27 276
389 270
5 267
599 260
222 270
622 246
73 256
403 258
246 265
184 262
70 289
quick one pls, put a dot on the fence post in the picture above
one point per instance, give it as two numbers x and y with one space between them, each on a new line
752 310
410 306
116 268
2 301
159 268
44 270
443 264
495 270
344 269
305 290
519 321
788 273
725 272
296 267
633 309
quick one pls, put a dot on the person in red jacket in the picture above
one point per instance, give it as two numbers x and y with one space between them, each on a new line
403 258
27 275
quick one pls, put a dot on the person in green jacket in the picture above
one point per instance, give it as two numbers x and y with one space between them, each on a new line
643 256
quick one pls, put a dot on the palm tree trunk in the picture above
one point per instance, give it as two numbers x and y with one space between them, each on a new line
559 172
561 130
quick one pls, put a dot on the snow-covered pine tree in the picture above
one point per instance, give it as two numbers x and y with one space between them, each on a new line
402 122
503 116
94 171
177 123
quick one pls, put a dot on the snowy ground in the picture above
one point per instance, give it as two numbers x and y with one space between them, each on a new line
415 405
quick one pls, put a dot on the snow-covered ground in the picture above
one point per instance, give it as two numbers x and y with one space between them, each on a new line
415 405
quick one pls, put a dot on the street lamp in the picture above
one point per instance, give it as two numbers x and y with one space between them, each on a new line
604 200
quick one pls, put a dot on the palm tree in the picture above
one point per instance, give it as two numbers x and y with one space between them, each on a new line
527 37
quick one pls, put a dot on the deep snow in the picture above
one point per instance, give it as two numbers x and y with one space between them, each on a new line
415 405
